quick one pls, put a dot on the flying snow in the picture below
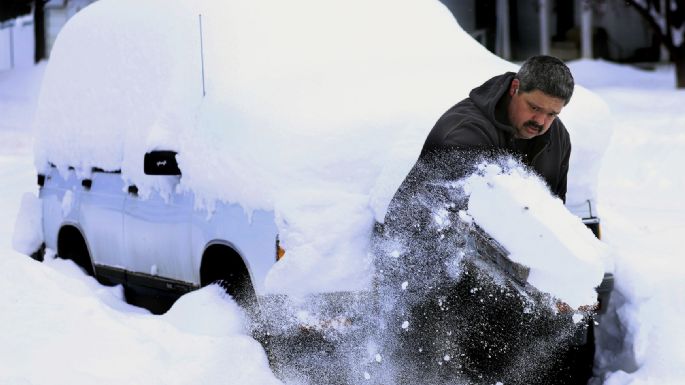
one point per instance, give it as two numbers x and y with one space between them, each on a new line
514 206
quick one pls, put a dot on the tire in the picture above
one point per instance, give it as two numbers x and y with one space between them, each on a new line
72 246
223 266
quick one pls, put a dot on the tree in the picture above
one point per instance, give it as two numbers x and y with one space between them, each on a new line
39 29
667 18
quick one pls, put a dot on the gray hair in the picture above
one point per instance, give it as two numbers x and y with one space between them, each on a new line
547 74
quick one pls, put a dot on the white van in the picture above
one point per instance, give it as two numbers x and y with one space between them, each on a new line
159 246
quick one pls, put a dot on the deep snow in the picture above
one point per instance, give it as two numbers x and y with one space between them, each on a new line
641 212
50 313
313 119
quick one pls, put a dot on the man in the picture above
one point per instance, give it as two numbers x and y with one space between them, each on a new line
515 112
462 319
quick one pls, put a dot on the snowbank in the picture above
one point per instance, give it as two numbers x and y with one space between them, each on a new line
79 332
28 228
590 125
309 105
640 198
599 73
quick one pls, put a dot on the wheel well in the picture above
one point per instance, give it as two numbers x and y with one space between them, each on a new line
222 264
72 245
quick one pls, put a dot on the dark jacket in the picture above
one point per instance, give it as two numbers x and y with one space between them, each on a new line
471 125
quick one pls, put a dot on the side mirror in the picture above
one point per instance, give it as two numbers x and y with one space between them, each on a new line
161 163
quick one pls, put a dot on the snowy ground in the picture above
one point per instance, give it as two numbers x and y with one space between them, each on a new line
60 327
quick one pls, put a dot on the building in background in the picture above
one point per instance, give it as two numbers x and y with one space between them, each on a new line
568 29
17 48
513 29
28 29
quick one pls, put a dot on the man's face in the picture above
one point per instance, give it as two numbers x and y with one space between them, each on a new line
532 113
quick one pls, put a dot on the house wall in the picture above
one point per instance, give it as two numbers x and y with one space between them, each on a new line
17 43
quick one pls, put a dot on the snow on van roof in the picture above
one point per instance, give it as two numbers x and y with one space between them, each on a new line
315 109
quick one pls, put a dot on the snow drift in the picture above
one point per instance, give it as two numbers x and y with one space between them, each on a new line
78 332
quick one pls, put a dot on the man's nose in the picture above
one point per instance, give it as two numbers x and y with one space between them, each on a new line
540 119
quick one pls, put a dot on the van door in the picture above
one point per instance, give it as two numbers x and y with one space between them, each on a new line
101 217
157 234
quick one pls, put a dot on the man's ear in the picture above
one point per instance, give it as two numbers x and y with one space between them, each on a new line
514 87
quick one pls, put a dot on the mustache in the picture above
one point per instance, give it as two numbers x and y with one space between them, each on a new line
533 124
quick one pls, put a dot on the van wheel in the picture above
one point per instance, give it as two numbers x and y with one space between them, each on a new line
71 245
223 266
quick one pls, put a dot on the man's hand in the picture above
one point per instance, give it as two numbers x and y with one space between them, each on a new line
564 308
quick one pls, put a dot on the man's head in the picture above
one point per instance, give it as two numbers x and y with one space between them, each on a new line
539 91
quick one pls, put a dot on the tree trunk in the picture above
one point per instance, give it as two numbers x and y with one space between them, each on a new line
679 60
39 30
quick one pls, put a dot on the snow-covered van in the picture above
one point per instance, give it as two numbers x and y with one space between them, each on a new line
253 143
155 244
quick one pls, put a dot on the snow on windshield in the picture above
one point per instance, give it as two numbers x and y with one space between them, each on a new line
312 109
